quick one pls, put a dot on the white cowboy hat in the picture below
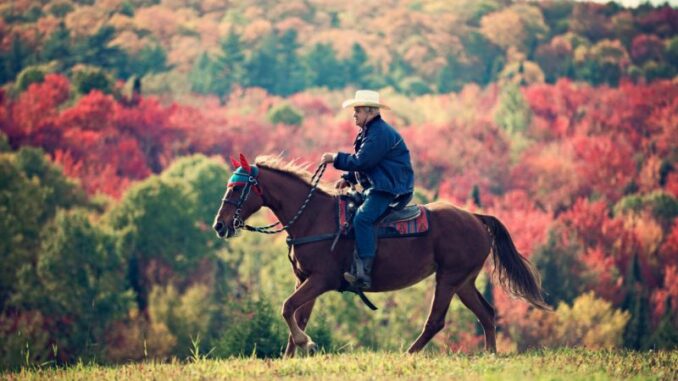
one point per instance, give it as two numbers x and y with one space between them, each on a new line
365 98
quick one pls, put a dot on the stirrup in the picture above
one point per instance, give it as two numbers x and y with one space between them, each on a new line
352 278
360 283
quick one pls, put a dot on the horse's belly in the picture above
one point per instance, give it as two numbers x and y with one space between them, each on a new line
401 263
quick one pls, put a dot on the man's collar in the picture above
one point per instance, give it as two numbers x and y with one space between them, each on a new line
372 121
378 117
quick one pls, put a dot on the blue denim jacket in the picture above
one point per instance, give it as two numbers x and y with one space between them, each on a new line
382 157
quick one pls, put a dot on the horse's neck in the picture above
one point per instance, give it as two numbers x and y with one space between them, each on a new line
284 195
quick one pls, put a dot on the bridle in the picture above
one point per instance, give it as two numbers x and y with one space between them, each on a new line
249 182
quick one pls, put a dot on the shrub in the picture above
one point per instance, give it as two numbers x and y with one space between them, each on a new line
30 75
184 317
60 8
285 114
87 79
254 330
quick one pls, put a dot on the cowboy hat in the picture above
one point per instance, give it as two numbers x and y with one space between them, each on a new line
365 98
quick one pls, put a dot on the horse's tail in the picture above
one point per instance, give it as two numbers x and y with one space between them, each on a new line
515 273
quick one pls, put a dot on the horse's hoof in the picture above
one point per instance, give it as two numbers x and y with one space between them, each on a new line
311 348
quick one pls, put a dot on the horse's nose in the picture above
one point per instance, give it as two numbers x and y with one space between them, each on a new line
218 226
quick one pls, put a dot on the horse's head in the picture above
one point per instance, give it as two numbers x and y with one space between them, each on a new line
241 200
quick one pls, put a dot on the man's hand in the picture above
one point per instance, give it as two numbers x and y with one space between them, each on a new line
328 158
341 184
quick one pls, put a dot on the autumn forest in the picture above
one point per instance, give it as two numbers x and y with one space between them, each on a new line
118 117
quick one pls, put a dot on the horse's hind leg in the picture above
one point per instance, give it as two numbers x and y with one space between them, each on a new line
446 285
474 300
301 316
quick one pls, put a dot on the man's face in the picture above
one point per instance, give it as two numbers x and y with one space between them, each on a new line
360 115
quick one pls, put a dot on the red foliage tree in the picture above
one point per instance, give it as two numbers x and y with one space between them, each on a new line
610 245
457 156
556 109
662 21
666 295
528 224
668 252
647 47
547 172
31 119
148 123
605 165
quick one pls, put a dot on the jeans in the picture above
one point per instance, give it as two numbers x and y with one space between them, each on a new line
374 206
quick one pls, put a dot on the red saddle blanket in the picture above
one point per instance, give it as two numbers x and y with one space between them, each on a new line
404 228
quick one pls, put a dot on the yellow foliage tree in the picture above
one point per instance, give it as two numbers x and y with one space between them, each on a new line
591 322
84 21
162 22
518 26
503 28
184 317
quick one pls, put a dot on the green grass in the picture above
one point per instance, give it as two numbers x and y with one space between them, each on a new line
566 364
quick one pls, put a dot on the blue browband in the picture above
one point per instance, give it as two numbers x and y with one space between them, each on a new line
241 177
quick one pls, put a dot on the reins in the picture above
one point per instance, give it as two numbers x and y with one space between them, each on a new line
315 181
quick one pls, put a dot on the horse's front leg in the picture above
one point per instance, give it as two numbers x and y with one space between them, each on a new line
306 293
301 316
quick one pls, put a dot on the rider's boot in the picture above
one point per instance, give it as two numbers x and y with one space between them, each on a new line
360 275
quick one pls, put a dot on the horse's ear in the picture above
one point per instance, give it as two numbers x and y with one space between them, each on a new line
234 163
245 164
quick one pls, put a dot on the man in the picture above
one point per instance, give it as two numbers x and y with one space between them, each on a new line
381 164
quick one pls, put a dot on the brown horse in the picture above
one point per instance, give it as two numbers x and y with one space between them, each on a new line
455 249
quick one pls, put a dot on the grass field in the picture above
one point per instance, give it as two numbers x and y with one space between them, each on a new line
548 365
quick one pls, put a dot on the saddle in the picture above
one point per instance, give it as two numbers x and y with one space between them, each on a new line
398 220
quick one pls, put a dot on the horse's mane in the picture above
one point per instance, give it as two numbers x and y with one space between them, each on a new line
294 170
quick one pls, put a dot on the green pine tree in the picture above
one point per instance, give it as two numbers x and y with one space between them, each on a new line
18 57
449 79
485 59
475 196
398 71
58 47
560 270
229 64
201 75
636 303
291 74
262 66
150 59
358 69
324 69
96 50
666 334
514 113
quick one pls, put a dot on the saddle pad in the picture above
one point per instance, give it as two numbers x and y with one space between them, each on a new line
403 228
